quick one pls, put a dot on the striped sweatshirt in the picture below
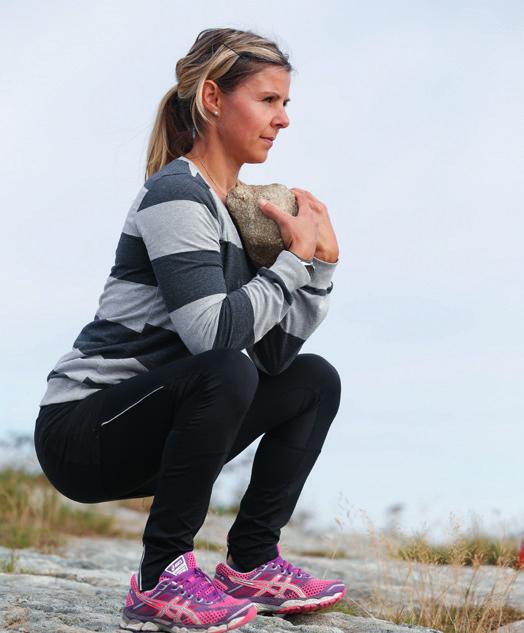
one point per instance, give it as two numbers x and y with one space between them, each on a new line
182 284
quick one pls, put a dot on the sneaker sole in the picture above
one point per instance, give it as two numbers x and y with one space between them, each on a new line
299 606
129 624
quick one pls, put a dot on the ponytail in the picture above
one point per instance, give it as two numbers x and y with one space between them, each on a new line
172 134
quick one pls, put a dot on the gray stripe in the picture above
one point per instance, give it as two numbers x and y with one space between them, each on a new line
197 322
65 390
273 276
126 302
130 225
159 316
97 366
176 227
267 300
307 315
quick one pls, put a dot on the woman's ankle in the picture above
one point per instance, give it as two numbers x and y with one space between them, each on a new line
233 565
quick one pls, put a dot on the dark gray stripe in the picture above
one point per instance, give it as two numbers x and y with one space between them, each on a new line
277 349
317 291
56 374
98 385
172 168
152 347
238 270
172 187
236 322
132 261
272 276
197 274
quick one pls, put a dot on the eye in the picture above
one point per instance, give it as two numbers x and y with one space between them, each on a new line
272 98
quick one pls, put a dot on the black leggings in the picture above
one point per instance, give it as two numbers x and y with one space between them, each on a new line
169 431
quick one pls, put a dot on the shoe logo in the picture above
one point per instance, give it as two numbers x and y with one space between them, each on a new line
177 566
174 610
274 587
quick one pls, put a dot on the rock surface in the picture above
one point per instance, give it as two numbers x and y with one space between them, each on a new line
49 604
260 235
82 588
514 627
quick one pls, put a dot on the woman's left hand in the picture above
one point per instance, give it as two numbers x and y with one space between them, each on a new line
327 246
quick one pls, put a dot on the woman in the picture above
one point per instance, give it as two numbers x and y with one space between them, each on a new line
157 395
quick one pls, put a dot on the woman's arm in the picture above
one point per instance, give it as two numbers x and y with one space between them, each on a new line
280 346
178 222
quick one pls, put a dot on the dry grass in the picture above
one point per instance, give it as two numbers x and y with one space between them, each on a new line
138 505
33 514
471 550
453 620
460 587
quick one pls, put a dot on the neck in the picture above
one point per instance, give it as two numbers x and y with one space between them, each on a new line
223 169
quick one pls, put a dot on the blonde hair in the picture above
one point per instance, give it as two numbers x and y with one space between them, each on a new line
226 56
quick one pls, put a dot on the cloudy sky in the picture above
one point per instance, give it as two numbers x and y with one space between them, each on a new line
406 121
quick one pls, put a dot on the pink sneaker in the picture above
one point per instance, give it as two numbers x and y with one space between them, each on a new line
279 587
185 599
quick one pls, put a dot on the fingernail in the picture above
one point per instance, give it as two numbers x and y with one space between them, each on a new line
262 201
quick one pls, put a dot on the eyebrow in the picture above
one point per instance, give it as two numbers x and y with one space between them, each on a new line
270 92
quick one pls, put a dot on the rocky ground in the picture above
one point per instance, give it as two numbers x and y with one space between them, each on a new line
81 589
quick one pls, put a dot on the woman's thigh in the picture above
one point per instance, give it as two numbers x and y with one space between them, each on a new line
67 447
296 406
110 444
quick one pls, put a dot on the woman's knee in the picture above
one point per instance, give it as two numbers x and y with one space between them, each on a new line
319 372
236 372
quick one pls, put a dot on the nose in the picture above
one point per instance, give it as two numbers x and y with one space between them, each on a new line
282 119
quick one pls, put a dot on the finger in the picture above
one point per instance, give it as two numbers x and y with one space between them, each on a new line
271 210
299 192
302 191
306 195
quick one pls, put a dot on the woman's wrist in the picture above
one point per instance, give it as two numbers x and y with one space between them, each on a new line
300 255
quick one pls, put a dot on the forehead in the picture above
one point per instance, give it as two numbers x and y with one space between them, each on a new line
270 79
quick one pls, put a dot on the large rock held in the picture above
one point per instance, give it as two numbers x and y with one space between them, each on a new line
260 235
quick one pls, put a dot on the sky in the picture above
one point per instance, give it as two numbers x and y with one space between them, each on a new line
406 121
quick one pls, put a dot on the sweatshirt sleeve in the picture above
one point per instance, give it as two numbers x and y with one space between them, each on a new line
280 346
178 222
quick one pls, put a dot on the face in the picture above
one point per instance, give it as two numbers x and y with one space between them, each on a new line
256 109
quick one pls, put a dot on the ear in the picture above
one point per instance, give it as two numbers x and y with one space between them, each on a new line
211 96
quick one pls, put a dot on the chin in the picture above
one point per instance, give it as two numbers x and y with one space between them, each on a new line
254 160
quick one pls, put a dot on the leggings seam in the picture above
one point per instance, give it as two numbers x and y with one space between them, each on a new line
131 405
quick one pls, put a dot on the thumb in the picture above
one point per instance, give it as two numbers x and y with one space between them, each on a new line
269 209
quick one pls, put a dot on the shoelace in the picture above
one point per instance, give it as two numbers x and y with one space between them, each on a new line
287 567
198 584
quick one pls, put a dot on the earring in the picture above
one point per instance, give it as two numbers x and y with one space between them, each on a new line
215 113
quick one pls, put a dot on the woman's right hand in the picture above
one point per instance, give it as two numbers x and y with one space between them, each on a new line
299 232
